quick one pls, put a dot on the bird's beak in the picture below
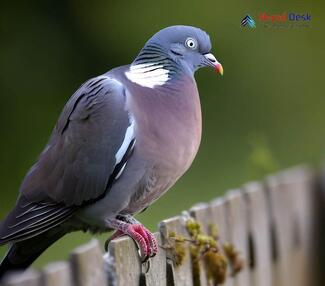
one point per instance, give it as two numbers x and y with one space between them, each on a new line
212 62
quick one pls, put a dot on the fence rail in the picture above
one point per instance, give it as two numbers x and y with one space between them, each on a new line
271 224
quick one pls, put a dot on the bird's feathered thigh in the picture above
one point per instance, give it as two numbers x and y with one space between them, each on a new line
168 133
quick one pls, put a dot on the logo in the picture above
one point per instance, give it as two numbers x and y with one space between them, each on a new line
284 17
248 21
285 20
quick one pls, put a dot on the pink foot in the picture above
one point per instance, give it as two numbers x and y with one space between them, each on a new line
150 248
145 240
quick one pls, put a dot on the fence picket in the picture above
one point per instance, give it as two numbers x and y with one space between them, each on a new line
179 275
88 265
218 214
281 203
27 278
127 268
317 253
237 224
202 213
259 228
156 275
57 273
298 182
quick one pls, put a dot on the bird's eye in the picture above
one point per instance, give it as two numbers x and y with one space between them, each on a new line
191 43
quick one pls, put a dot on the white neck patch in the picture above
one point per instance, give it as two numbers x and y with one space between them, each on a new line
148 75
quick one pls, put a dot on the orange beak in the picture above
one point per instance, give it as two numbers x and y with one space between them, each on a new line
219 68
212 61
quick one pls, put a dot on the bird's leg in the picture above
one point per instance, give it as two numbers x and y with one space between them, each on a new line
126 218
127 225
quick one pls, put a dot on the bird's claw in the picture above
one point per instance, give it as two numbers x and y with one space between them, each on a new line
145 240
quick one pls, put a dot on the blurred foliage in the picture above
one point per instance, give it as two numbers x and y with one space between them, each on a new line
261 162
272 86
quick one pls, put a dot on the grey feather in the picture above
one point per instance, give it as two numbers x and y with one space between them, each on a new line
77 163
21 224
80 156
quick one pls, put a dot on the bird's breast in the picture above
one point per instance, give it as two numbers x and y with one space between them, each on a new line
168 127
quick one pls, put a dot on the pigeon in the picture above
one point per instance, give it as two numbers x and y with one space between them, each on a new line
122 140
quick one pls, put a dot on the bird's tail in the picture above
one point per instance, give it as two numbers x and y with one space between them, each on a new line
23 253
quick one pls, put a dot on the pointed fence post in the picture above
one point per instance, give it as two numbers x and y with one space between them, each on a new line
202 213
218 214
260 263
177 275
128 268
318 249
127 264
57 273
281 204
156 275
88 265
298 183
237 225
27 278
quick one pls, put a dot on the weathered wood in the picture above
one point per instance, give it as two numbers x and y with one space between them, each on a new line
127 264
260 263
318 251
281 204
202 213
27 278
180 275
272 225
218 214
291 203
57 273
87 265
156 274
298 182
128 267
238 230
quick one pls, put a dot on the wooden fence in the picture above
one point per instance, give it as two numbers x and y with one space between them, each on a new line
271 223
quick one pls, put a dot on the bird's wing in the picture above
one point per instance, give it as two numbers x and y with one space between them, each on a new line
88 148
89 141
29 219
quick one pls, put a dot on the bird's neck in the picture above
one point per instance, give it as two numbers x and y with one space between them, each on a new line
153 67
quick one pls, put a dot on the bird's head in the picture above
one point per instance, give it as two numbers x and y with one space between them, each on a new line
186 45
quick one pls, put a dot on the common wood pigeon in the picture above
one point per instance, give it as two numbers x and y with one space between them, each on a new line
122 140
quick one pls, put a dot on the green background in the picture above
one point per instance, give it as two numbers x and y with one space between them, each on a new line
265 113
